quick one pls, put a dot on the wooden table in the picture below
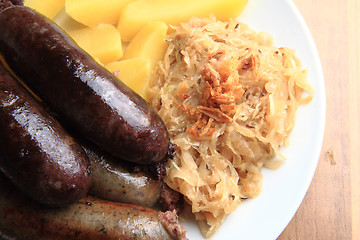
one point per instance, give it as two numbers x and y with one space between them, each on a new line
331 207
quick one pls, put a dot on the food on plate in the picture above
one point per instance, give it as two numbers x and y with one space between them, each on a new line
137 13
83 93
121 182
47 59
36 153
89 218
49 8
226 94
93 12
149 42
65 22
140 57
134 72
116 181
228 98
129 183
102 42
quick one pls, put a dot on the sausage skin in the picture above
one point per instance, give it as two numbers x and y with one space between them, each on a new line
86 95
113 180
35 151
88 219
124 182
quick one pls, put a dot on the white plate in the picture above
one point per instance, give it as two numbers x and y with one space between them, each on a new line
266 216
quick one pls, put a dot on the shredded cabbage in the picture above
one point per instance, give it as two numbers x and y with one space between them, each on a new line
228 98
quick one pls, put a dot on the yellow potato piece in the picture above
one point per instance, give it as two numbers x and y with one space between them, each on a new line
66 22
149 42
136 14
93 12
134 72
102 42
49 8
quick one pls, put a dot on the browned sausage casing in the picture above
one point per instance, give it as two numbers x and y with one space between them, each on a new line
88 219
81 91
35 151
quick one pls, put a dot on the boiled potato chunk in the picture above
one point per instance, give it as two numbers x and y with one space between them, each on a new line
149 42
66 22
49 8
102 42
93 12
136 14
134 72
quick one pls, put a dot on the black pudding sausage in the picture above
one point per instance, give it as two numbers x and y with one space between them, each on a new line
83 93
35 151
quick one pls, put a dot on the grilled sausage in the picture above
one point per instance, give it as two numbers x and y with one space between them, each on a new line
90 219
115 181
86 95
35 151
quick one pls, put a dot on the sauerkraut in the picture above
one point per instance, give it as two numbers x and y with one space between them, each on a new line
228 98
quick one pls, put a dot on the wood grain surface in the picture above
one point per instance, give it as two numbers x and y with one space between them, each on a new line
331 207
